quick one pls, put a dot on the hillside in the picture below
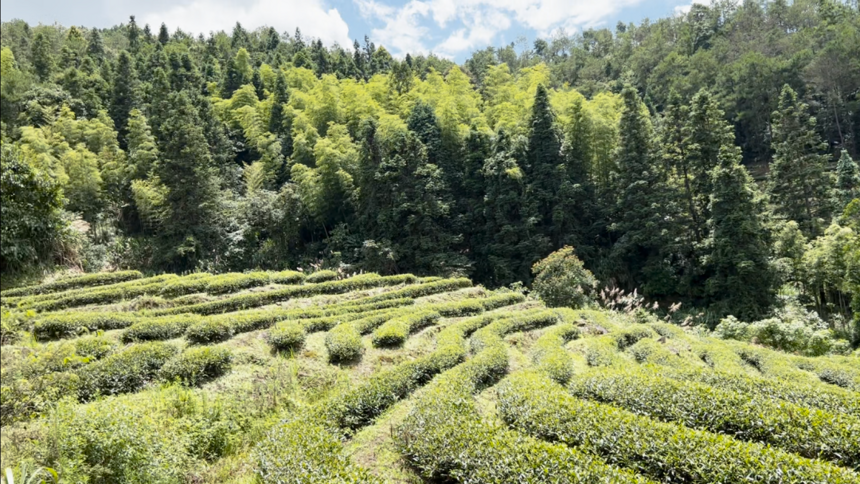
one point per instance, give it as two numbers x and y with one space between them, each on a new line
287 377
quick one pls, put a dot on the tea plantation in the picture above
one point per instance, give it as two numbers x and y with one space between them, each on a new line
283 377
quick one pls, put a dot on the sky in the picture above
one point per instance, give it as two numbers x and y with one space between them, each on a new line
448 28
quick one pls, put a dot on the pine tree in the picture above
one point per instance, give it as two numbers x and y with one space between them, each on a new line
133 34
511 239
257 82
189 230
124 95
847 179
544 166
800 187
42 56
741 278
640 191
402 203
238 73
239 39
96 46
576 211
277 124
163 35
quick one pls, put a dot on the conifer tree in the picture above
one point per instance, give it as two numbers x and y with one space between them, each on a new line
847 179
800 187
639 210
741 278
95 45
277 124
543 164
575 214
133 34
42 57
189 230
124 95
512 241
163 35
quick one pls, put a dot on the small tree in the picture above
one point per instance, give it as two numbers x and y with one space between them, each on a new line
562 280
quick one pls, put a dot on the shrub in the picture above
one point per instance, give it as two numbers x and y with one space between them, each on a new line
80 293
244 301
561 280
69 325
208 331
343 343
287 277
810 433
667 452
321 276
549 355
104 296
395 331
95 346
226 283
632 334
24 398
124 371
289 335
423 289
197 365
73 282
159 328
299 451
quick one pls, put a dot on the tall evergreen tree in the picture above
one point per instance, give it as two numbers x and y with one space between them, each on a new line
512 241
277 124
639 212
189 230
741 278
133 34
402 203
95 45
847 179
124 95
543 165
42 57
163 35
576 213
800 187
142 150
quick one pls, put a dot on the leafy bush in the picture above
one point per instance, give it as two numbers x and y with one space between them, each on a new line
395 331
96 346
104 296
321 276
244 301
343 343
73 282
562 281
286 336
197 365
667 452
27 301
159 328
810 433
300 451
69 325
209 330
227 283
124 371
549 355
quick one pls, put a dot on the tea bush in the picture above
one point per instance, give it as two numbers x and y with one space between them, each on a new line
159 328
124 371
808 432
197 365
73 282
668 452
395 331
321 276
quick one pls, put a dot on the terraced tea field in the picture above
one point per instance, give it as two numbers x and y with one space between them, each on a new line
285 377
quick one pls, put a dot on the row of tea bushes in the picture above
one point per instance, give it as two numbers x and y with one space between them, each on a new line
72 297
358 407
395 331
72 324
446 439
550 357
160 328
814 395
230 282
256 299
109 294
809 432
532 403
224 326
73 282
290 335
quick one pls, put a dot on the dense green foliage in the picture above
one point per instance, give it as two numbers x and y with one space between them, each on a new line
257 150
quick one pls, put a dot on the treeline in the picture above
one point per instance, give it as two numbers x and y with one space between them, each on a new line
167 152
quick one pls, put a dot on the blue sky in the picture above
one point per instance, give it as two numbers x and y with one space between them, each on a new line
450 28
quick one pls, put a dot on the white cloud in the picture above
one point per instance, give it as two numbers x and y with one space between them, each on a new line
683 9
402 32
475 23
204 16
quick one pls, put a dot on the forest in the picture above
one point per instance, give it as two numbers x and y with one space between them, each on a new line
705 161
